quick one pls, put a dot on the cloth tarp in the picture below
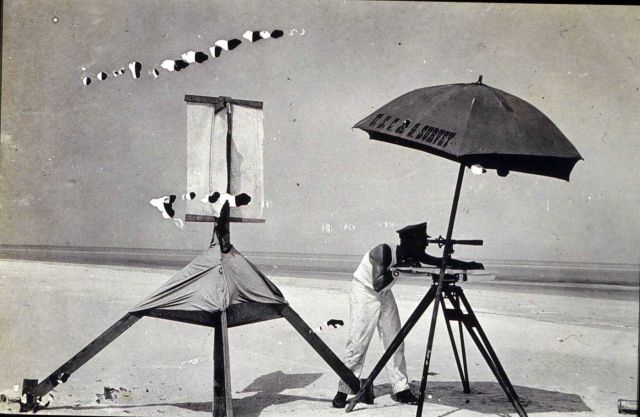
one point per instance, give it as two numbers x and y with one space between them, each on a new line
212 282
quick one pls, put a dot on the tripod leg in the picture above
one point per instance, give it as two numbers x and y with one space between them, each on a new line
427 356
489 355
411 321
467 388
459 314
485 340
82 357
320 347
455 300
451 314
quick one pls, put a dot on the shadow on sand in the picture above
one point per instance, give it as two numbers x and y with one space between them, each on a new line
488 398
267 391
485 397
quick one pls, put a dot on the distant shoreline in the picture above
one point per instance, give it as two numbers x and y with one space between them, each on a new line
278 263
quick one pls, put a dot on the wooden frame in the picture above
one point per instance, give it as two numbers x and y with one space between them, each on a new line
221 321
221 101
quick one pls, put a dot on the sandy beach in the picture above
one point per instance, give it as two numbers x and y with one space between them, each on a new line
568 349
329 127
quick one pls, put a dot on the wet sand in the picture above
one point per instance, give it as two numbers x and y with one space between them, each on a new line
568 349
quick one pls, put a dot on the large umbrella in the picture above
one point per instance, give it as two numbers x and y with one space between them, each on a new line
472 124
475 124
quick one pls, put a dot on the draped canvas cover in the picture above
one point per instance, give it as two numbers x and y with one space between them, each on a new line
212 282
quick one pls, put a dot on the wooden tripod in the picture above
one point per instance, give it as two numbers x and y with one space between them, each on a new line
234 315
221 321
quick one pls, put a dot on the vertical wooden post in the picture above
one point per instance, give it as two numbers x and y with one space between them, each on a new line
229 107
222 405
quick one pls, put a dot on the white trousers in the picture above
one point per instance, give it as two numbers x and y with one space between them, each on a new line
368 310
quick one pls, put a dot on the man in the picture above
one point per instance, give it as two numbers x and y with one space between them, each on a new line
372 305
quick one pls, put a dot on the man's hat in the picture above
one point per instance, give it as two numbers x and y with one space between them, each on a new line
413 230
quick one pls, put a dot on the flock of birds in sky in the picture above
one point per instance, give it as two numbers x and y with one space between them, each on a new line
191 57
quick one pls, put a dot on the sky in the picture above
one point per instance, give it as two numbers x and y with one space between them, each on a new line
80 163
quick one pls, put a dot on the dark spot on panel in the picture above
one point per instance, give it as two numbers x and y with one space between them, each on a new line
181 64
102 76
277 34
234 43
216 51
214 197
192 195
201 57
86 80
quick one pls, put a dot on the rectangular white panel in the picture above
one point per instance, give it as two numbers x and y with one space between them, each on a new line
210 163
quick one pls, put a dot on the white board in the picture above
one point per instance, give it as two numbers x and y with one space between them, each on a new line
211 161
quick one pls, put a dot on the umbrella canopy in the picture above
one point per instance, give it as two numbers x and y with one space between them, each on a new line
475 124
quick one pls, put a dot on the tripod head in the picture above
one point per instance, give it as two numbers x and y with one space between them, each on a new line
434 273
440 241
449 278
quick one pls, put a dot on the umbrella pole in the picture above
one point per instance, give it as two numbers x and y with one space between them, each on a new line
434 317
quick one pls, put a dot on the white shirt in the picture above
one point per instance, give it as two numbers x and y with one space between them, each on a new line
364 272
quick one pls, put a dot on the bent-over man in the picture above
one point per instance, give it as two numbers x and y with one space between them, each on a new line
372 305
